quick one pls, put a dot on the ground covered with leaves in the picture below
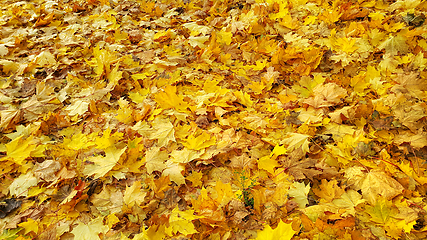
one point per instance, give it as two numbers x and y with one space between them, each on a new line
283 119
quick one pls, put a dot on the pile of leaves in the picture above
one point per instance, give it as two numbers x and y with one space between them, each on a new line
222 119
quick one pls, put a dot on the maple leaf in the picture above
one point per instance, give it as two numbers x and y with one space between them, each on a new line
78 107
200 141
409 115
101 61
173 170
382 212
164 131
411 83
283 231
91 230
180 221
102 165
46 170
112 219
348 201
155 159
109 198
415 140
296 140
244 98
328 190
78 141
394 45
299 192
45 58
326 95
30 226
134 194
185 155
377 183
19 149
108 140
169 99
10 233
21 184
114 76
243 162
267 163
225 193
298 168
153 233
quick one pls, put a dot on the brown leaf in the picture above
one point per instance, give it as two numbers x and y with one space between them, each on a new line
242 162
300 169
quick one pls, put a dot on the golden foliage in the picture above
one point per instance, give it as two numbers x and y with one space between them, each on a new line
222 119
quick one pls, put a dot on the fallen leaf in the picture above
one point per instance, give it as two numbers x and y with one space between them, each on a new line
90 230
102 165
283 231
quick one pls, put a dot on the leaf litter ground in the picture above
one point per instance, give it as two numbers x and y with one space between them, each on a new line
213 120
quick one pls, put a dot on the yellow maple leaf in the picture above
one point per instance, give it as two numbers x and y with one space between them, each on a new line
19 149
114 76
330 17
180 221
328 191
173 170
202 141
102 61
30 226
77 107
45 58
283 231
112 219
393 27
267 163
377 183
299 192
197 29
382 211
185 155
164 131
21 184
277 151
154 232
296 140
91 230
138 97
224 37
347 45
244 98
196 178
102 165
198 41
326 95
107 140
134 194
408 169
307 84
155 159
224 191
78 141
169 99
395 44
310 20
125 113
348 201
288 21
256 87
